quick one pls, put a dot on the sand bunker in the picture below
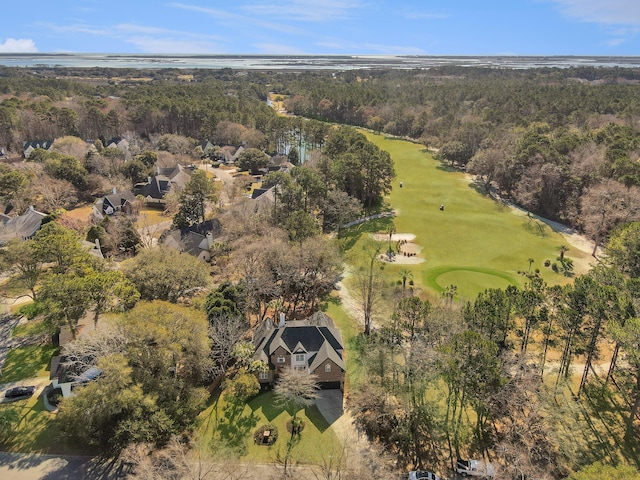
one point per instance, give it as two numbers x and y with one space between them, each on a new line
408 251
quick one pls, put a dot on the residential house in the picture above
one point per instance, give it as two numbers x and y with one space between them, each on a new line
115 203
23 227
208 149
279 163
119 143
229 158
195 240
165 180
29 146
313 345
63 378
263 199
93 248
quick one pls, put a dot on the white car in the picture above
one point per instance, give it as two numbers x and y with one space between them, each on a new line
475 468
422 475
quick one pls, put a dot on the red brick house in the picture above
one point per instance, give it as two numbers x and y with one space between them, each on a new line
313 345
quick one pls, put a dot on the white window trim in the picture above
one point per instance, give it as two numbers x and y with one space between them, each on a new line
263 376
327 368
298 359
281 359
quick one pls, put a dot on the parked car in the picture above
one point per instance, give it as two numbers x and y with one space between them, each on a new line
475 468
422 475
17 392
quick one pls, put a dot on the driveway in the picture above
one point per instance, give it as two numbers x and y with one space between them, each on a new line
329 402
7 322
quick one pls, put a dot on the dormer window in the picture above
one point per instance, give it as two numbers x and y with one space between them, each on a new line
299 357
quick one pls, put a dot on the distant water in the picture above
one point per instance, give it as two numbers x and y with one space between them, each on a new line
303 62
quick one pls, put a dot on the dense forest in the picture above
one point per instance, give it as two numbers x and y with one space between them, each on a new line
554 140
442 378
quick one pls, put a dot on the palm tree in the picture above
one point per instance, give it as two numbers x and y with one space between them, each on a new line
405 274
531 260
563 249
449 293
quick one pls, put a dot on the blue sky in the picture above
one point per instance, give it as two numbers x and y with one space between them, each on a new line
427 27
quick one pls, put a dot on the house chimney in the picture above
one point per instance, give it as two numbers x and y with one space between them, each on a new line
115 190
282 322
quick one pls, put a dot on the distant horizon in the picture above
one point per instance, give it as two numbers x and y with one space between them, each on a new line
325 27
301 62
264 55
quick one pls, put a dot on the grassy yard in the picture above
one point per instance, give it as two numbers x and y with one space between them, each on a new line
151 216
476 242
27 362
32 327
34 429
228 429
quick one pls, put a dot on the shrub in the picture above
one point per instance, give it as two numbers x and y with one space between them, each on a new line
554 267
54 396
260 439
547 263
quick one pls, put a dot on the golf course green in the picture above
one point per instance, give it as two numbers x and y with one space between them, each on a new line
475 242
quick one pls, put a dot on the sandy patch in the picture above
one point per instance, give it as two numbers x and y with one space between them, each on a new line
408 254
384 237
402 260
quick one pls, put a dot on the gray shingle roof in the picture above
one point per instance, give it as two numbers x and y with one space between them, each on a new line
22 227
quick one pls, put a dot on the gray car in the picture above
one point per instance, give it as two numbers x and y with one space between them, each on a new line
422 475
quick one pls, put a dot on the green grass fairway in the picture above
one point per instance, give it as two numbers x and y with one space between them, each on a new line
476 242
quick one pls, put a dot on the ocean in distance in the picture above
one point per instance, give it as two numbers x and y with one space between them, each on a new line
304 62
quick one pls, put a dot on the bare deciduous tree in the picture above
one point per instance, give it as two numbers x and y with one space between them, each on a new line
369 281
606 205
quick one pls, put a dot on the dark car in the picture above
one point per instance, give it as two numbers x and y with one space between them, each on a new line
17 392
422 475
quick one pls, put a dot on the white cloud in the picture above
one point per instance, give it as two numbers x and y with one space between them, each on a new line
241 20
305 10
608 12
18 45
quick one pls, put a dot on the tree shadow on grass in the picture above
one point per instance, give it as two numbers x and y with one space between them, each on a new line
330 300
26 362
266 402
235 426
537 228
606 418
350 236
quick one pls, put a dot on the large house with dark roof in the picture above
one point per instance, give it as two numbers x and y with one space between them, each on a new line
29 146
313 345
123 202
163 182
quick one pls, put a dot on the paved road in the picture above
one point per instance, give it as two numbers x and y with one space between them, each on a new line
15 466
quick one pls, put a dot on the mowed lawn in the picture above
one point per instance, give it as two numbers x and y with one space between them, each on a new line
228 428
475 243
